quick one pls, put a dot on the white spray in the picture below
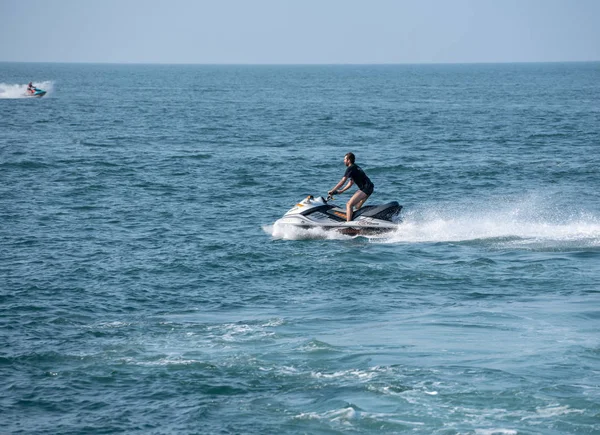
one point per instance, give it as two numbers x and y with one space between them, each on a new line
12 91
529 223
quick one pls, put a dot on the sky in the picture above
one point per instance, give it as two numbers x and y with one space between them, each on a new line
299 31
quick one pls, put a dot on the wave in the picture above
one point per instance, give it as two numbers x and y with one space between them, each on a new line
15 91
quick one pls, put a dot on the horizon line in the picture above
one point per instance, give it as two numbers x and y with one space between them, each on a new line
301 64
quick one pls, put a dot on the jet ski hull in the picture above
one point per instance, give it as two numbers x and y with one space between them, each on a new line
38 93
319 213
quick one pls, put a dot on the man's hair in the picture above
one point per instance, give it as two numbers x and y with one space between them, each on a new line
351 157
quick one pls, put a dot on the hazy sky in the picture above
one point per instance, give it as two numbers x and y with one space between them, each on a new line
299 31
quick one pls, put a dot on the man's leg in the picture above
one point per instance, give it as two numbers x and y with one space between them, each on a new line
362 201
358 198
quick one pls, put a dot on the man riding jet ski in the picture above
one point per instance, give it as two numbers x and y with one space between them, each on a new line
354 174
319 213
322 213
32 91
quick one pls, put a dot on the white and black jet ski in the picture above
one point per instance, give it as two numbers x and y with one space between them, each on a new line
322 213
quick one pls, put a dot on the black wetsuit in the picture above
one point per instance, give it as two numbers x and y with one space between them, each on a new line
360 179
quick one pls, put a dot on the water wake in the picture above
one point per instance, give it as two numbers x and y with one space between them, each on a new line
290 232
526 224
14 91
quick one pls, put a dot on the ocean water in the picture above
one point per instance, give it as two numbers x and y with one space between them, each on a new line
144 287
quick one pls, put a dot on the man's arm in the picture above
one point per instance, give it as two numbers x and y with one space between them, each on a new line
340 184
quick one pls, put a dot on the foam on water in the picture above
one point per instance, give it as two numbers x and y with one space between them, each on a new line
291 232
495 432
15 91
352 417
528 223
509 224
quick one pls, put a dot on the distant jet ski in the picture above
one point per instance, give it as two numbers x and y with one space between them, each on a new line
35 92
322 213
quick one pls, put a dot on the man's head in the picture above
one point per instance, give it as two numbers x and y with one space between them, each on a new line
349 159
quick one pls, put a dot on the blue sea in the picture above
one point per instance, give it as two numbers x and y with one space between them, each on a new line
145 288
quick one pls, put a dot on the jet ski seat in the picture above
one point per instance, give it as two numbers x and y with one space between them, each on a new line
383 211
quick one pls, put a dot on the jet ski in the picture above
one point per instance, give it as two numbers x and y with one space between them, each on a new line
322 213
36 92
